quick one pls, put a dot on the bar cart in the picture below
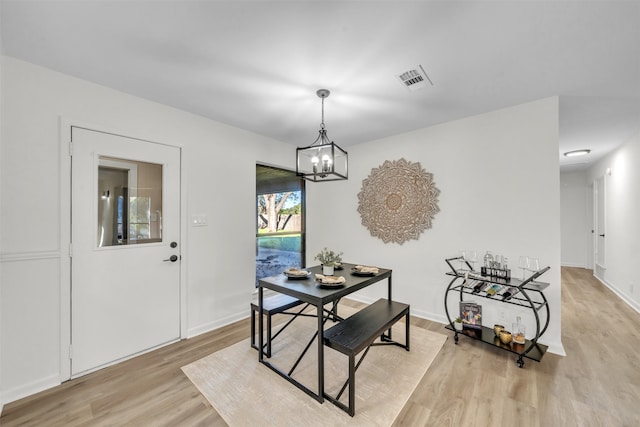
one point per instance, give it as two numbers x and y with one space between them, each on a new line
526 293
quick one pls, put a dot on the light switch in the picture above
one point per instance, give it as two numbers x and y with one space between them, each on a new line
200 220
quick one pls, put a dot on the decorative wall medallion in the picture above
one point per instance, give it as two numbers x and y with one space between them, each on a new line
398 201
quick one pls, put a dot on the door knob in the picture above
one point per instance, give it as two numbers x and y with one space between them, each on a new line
172 258
601 235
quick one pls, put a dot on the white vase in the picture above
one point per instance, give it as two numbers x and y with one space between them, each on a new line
327 270
458 326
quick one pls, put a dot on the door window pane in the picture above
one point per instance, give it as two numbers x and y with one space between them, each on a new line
129 202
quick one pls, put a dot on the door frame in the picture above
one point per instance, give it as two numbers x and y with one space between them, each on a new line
599 194
65 125
590 208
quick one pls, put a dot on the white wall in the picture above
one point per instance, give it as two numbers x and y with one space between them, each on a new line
219 169
498 175
576 203
622 229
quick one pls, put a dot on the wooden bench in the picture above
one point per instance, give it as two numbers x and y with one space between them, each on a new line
358 332
271 305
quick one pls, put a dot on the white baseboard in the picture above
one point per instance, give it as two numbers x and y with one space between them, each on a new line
555 348
622 295
210 326
17 393
569 264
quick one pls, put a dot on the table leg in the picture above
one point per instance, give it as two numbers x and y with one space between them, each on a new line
260 325
390 299
320 310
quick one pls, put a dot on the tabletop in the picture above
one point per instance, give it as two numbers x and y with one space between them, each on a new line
309 290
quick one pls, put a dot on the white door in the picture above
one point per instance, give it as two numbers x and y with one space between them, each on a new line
125 240
599 220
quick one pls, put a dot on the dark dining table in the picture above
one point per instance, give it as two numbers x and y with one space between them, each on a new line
310 291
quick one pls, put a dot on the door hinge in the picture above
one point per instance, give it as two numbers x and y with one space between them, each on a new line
70 250
71 148
70 352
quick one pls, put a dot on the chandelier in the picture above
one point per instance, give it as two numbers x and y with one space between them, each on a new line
323 160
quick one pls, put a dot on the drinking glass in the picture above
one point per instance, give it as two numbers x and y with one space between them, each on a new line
463 257
534 265
523 263
472 258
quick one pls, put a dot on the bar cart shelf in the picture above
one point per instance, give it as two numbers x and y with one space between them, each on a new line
528 294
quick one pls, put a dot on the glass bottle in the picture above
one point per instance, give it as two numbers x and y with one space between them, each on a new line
488 259
509 293
518 331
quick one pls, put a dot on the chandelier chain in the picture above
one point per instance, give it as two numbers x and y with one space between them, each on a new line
322 122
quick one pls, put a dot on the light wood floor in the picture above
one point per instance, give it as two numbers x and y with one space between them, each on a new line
470 384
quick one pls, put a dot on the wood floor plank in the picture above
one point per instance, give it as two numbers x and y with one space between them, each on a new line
596 384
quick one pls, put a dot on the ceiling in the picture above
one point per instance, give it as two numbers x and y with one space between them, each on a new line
257 65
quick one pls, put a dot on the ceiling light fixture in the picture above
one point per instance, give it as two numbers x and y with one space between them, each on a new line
323 160
575 153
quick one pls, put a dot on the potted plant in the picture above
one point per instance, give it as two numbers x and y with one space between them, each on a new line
458 324
329 259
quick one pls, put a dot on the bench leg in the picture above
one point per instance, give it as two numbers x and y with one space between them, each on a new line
352 385
253 332
269 335
253 329
353 366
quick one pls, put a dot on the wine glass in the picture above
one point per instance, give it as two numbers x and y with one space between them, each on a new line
523 263
472 258
534 265
462 256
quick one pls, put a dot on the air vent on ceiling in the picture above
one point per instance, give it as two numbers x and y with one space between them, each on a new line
415 78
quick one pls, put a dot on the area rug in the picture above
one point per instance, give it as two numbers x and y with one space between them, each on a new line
247 393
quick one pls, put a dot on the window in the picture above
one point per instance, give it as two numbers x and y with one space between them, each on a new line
129 198
279 221
139 218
